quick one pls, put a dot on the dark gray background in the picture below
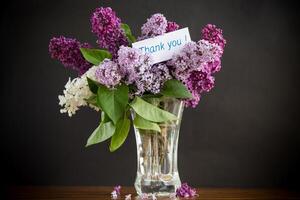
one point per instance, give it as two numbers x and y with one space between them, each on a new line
245 132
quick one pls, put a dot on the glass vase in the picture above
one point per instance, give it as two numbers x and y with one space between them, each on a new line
157 171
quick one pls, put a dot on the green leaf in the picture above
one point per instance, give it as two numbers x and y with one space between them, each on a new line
93 85
104 117
92 100
128 33
101 133
120 135
113 101
126 29
151 112
95 56
144 124
174 88
149 96
131 38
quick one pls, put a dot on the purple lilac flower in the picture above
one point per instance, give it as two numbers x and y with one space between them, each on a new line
195 57
194 101
133 63
209 52
214 35
152 80
211 56
172 26
138 70
161 75
107 26
155 25
200 81
108 73
214 66
186 191
67 51
118 189
185 61
194 66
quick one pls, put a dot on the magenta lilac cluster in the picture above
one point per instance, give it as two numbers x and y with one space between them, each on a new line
172 26
186 191
107 26
197 62
116 193
118 189
214 35
67 51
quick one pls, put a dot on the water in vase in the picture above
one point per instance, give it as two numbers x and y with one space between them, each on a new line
157 171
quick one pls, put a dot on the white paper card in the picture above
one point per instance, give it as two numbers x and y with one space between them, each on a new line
164 46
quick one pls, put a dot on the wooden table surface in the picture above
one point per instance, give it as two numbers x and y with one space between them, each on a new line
99 193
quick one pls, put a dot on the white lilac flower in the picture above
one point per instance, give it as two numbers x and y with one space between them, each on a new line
128 197
172 196
153 197
75 93
91 73
114 195
144 196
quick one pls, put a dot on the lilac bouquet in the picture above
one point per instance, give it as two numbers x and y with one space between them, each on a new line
115 78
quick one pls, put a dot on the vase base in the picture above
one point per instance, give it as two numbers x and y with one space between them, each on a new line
157 187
